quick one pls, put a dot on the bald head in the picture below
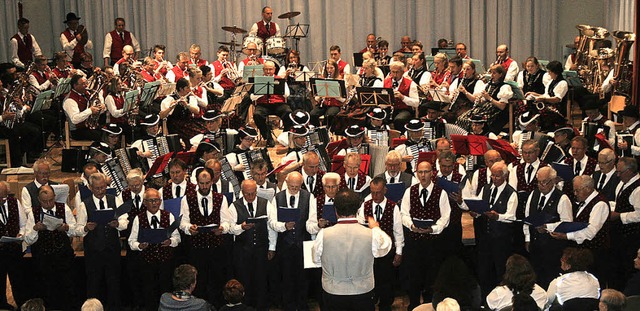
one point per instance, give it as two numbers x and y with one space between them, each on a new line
249 190
294 181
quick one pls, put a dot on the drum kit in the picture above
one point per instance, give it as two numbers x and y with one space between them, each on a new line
276 46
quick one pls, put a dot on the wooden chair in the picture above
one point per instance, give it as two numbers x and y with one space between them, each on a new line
68 142
5 142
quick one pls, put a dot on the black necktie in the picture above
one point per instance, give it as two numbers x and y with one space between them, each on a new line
541 204
378 212
575 213
137 201
250 206
261 187
494 192
601 182
352 183
101 205
268 26
51 211
122 36
330 200
424 193
154 222
310 182
177 191
395 84
205 207
4 214
292 201
392 180
578 168
529 171
214 187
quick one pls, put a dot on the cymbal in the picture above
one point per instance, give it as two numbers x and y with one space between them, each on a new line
233 29
571 46
227 43
288 15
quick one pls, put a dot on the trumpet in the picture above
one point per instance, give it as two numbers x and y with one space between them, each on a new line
232 72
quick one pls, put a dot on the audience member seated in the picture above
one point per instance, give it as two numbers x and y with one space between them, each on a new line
576 282
612 300
233 293
184 281
519 277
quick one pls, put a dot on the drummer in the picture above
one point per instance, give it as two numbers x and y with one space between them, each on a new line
265 28
253 56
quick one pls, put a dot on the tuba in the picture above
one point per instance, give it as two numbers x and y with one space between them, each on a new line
622 69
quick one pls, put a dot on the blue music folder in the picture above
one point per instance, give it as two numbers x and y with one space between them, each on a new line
255 220
448 186
478 206
208 228
423 223
540 219
286 214
565 171
566 227
329 213
101 217
173 206
395 192
152 236
229 196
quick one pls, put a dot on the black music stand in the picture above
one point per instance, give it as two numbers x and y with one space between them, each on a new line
148 93
296 32
317 67
374 96
334 88
130 98
43 102
267 86
231 103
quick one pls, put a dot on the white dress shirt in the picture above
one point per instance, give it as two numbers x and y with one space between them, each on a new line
73 112
598 216
166 103
114 112
22 217
225 217
236 229
31 236
512 204
135 227
513 176
312 222
25 197
578 284
501 297
81 215
108 41
398 233
564 208
68 46
445 209
14 49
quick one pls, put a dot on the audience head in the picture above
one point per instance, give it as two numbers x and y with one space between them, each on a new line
184 278
35 304
519 276
448 304
576 259
233 291
612 300
92 304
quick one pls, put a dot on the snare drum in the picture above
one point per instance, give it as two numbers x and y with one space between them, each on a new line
251 39
276 45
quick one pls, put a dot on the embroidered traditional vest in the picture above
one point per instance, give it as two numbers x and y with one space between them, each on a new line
430 211
156 252
204 239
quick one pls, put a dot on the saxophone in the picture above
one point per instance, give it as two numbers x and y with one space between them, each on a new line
93 122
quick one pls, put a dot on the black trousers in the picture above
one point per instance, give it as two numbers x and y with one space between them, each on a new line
156 280
402 117
362 302
250 266
493 253
211 264
423 258
295 285
56 279
23 137
261 113
134 267
329 114
384 273
86 134
104 266
624 248
11 264
545 253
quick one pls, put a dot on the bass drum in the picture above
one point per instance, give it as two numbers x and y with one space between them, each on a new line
276 46
251 39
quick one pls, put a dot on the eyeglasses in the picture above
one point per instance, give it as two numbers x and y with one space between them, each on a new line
603 163
544 183
153 201
424 172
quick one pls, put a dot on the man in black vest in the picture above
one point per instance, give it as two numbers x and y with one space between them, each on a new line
291 234
494 242
259 171
393 173
422 255
29 194
52 252
253 239
546 251
101 240
625 233
12 224
606 178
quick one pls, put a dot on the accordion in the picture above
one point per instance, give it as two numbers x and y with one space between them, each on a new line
414 150
161 145
129 160
552 153
317 136
524 137
378 138
434 130
113 170
246 158
363 149
627 137
228 175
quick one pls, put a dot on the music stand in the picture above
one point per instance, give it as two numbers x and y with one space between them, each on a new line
64 86
251 71
374 96
296 32
328 88
305 76
428 61
42 102
439 96
317 67
148 93
166 89
231 103
267 86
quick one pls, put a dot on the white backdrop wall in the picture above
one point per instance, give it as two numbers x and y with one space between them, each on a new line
529 27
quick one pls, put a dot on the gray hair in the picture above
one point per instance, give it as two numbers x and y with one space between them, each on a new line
92 304
135 174
585 181
502 167
95 177
547 170
393 155
36 165
330 176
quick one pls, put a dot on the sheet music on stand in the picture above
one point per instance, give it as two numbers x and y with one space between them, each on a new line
296 31
317 67
428 61
236 98
374 96
352 80
305 76
439 96
252 71
267 85
328 88
43 101
148 93
166 89
129 100
64 86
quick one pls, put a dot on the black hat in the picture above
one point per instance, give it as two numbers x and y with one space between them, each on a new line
377 114
150 120
528 117
629 111
71 17
414 125
211 115
112 129
478 118
591 102
567 129
354 131
435 105
101 147
209 142
299 130
248 131
299 117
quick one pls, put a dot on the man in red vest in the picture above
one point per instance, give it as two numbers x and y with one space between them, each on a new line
510 65
265 28
77 109
23 45
270 104
343 67
180 69
71 40
115 40
405 93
